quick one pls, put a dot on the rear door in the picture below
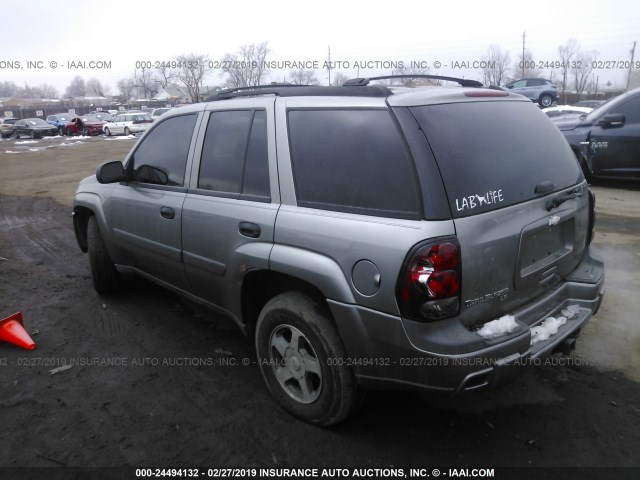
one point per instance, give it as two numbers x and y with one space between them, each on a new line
230 209
501 163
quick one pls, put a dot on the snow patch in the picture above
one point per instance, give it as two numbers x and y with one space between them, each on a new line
126 137
9 151
496 328
571 311
26 141
546 329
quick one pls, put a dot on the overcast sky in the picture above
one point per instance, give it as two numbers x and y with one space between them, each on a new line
123 32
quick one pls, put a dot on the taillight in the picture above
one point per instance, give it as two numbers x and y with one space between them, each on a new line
592 217
429 285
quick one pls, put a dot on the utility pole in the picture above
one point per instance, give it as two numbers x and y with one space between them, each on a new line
329 65
633 51
524 33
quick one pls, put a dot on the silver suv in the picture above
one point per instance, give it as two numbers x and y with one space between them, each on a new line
366 237
538 90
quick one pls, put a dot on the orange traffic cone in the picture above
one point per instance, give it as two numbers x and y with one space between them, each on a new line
12 331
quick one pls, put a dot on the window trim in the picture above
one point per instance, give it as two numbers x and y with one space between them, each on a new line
196 190
129 163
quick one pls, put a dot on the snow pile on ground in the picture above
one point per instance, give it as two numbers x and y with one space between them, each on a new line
26 141
126 137
496 328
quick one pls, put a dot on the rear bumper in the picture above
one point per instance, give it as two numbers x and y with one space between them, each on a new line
383 354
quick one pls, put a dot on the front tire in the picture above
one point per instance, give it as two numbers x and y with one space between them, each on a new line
127 131
107 131
303 360
106 278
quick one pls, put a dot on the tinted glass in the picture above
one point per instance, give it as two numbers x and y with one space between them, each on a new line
352 161
630 109
224 150
493 154
256 167
166 147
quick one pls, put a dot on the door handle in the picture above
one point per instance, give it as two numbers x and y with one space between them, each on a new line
249 229
167 212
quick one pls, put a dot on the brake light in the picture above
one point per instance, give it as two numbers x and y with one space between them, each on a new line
429 285
592 217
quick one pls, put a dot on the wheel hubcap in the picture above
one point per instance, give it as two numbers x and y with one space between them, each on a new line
295 364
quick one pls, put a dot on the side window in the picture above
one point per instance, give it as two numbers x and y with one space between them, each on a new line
235 156
520 84
630 109
166 148
352 161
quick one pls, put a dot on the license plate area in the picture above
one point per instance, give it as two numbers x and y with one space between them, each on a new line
542 248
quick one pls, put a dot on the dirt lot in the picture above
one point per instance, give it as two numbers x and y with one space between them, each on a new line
156 383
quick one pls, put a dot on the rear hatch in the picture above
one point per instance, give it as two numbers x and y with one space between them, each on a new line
517 197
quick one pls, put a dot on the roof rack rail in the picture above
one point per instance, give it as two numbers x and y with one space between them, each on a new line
247 91
363 82
288 90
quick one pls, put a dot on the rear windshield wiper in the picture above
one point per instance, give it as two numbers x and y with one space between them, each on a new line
570 195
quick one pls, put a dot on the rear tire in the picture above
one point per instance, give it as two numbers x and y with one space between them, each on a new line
106 278
303 360
545 101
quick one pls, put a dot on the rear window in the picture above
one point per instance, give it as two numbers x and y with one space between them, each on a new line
493 154
352 161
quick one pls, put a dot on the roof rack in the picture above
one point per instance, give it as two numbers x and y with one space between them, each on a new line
289 90
363 82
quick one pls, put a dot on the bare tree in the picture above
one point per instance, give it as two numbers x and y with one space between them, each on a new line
76 88
95 87
47 90
246 68
8 89
634 79
303 77
165 75
568 53
339 78
125 86
582 70
495 65
529 70
145 83
193 69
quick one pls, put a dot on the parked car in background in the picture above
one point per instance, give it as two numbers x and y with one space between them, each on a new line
6 126
589 103
104 116
158 112
565 110
34 128
128 123
85 125
538 90
60 120
606 141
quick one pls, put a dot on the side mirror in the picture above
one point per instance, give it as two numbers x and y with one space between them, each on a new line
111 172
612 120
